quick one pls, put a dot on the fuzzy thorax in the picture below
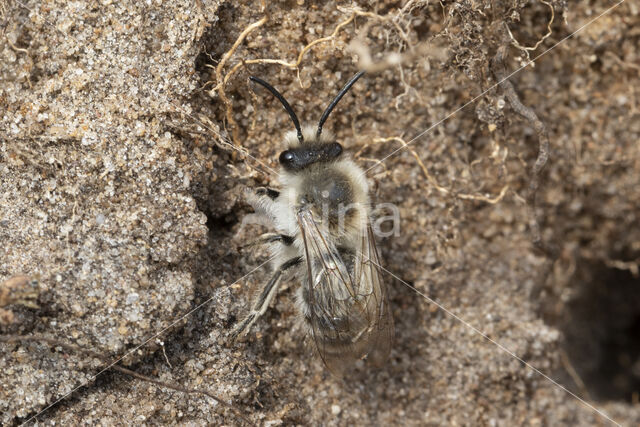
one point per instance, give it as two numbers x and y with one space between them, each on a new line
336 191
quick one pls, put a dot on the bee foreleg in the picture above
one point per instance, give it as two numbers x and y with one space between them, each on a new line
264 298
266 191
270 238
263 200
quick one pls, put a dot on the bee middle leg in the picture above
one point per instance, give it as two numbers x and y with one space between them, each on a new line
264 298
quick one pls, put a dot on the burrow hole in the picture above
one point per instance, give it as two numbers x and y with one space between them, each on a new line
601 326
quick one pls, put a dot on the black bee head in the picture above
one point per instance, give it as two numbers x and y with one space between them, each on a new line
298 158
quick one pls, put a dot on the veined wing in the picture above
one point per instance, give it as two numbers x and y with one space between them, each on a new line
347 305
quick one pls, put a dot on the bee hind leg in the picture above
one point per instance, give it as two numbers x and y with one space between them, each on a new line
260 305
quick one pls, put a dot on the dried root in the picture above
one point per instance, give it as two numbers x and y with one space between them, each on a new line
527 49
433 181
499 71
365 61
223 80
202 122
220 68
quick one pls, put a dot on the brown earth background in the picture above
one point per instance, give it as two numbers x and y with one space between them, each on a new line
128 131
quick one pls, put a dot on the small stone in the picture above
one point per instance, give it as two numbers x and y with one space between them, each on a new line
132 297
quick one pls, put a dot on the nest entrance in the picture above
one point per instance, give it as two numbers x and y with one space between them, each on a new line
602 332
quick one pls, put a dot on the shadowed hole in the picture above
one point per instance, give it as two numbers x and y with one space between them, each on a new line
601 325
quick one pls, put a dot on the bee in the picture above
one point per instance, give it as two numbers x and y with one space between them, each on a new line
323 237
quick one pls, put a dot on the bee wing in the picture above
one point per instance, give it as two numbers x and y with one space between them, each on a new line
381 337
347 303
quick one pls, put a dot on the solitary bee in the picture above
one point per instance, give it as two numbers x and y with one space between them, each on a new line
324 237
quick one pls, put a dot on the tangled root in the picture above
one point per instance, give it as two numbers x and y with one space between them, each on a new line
432 180
499 71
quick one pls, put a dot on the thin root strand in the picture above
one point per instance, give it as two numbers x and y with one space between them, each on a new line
499 71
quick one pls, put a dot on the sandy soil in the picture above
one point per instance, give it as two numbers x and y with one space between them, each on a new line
129 130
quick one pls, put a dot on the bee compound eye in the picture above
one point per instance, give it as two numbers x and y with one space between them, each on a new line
334 150
287 157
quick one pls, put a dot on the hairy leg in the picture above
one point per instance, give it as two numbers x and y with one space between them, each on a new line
260 305
270 238
262 200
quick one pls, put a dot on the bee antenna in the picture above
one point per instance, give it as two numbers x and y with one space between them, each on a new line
335 101
284 102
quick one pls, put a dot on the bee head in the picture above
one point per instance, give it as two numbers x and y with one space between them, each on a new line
298 158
